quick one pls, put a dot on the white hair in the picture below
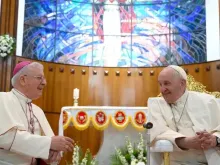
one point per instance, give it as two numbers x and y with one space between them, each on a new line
24 71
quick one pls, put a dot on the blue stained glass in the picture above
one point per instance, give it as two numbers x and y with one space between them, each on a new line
149 2
40 13
69 2
38 43
75 17
188 16
73 48
189 47
111 2
151 19
119 33
150 50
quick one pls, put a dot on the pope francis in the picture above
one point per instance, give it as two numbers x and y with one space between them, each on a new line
190 120
25 134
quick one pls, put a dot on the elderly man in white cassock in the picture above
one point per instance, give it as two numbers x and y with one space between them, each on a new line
25 134
190 120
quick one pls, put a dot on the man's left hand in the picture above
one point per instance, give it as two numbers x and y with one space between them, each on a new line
207 140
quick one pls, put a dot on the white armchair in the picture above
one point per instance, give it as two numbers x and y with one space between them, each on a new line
160 152
161 149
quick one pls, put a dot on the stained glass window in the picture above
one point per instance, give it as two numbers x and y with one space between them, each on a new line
118 33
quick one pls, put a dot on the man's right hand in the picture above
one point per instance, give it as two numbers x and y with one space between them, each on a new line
62 143
189 143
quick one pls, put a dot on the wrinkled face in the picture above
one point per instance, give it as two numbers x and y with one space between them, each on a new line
172 86
33 83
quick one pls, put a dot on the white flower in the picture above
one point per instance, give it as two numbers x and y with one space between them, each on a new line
6 45
4 48
130 148
133 162
3 54
141 148
84 161
4 41
93 162
140 163
121 157
75 158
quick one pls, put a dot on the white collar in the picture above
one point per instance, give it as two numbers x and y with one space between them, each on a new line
21 96
182 99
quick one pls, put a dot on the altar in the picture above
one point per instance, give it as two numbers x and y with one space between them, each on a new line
116 122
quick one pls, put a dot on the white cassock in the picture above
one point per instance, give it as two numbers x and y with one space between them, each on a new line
192 112
17 145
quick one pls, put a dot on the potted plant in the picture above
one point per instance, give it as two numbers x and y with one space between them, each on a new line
129 154
7 45
79 159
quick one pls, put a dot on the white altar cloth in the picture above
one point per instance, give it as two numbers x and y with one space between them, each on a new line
113 137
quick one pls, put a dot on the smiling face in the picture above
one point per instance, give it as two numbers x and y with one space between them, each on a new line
172 86
33 82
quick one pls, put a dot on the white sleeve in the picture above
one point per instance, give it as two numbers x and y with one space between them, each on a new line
7 139
31 145
24 143
161 130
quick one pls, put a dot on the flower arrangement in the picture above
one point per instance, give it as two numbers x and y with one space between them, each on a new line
78 159
130 154
7 45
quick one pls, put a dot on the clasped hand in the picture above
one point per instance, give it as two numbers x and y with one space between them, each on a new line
201 141
206 139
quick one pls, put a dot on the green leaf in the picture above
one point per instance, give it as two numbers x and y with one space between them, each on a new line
124 151
114 159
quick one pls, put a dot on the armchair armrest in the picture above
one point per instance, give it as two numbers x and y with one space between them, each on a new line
162 146
160 152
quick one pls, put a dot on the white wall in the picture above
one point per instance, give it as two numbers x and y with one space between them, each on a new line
20 27
212 29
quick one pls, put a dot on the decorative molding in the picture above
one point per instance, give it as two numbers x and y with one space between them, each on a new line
50 68
186 70
151 72
61 70
117 73
94 72
208 68
129 73
72 71
106 73
83 71
140 73
197 70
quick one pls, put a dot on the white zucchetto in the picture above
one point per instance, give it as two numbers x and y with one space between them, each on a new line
180 70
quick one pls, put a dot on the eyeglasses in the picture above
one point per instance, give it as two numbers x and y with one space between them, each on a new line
40 78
